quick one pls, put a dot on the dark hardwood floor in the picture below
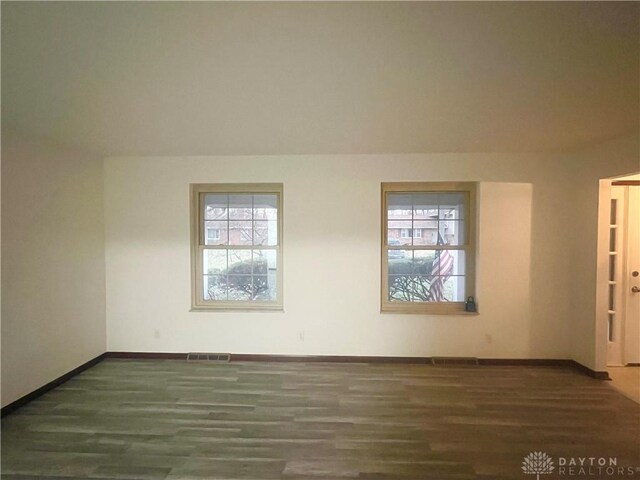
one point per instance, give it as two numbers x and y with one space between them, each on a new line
157 419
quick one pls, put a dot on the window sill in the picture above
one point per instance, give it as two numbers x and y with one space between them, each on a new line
431 310
431 314
230 308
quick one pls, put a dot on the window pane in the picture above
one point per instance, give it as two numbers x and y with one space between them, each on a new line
448 262
426 262
265 207
428 232
425 206
458 262
405 262
612 297
215 287
264 262
612 239
251 275
444 262
399 206
400 262
240 207
452 232
240 287
426 288
423 262
614 212
453 288
399 233
214 262
409 288
240 283
215 206
612 268
610 327
264 275
240 232
215 232
239 262
451 205
265 232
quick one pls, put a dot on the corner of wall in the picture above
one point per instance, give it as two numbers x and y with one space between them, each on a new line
53 307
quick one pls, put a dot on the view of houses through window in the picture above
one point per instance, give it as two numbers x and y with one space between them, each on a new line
234 222
213 234
426 246
238 247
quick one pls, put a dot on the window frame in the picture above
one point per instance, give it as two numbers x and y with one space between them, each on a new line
198 245
469 247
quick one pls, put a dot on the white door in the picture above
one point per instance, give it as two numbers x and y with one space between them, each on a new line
631 292
615 314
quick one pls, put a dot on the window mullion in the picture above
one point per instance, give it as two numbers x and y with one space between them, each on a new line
253 241
412 219
427 247
201 229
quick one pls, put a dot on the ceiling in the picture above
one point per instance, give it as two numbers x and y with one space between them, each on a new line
198 78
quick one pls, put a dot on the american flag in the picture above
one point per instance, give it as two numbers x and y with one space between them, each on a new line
442 267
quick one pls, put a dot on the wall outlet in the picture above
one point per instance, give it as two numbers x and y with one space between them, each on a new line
156 333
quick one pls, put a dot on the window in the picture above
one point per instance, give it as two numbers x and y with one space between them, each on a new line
236 236
407 233
433 270
213 234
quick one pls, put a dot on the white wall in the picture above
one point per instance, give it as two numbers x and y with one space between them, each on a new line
536 262
617 157
53 315
332 257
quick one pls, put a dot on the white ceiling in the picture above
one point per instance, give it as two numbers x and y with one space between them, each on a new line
178 78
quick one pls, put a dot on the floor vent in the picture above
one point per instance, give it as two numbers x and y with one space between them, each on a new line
454 361
209 357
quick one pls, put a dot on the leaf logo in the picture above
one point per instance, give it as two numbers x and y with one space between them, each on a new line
537 463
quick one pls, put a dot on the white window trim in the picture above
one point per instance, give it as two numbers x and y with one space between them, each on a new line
430 308
197 192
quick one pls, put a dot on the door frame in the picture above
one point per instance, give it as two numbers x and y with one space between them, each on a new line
602 269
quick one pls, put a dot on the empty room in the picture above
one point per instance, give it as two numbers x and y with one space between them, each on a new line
320 240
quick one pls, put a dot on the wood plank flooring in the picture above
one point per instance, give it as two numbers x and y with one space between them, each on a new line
172 419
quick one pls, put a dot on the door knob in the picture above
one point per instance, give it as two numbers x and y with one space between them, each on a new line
635 289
